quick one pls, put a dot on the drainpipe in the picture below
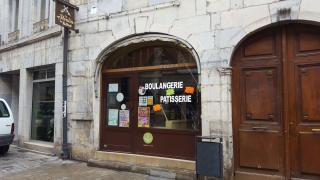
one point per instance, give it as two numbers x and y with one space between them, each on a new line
65 148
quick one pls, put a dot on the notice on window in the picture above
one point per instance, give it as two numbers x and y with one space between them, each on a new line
124 118
143 111
113 117
113 87
144 122
144 117
143 100
150 100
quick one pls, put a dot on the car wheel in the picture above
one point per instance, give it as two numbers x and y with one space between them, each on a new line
4 149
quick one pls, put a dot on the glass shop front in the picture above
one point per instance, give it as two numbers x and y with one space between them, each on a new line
150 101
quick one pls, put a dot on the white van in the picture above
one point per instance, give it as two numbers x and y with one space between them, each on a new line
6 127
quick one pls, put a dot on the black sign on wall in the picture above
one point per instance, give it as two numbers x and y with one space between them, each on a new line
65 14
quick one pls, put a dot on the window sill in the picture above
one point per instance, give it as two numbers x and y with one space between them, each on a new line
13 36
174 3
40 25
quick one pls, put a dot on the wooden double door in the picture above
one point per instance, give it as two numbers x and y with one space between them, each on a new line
276 104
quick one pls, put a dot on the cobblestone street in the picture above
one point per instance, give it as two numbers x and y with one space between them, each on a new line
20 164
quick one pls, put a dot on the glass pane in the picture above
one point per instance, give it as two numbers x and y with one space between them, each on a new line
169 99
149 56
118 113
42 125
51 73
44 73
3 110
40 74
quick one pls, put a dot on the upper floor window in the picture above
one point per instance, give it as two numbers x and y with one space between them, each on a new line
41 14
41 9
156 2
14 20
14 10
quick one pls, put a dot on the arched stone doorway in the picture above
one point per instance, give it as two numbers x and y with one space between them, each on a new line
150 103
276 103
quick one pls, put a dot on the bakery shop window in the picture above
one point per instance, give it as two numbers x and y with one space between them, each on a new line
170 98
156 87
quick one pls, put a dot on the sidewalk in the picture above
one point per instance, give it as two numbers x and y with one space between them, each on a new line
23 165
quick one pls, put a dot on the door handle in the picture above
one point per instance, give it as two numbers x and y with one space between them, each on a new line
261 128
270 116
248 115
315 130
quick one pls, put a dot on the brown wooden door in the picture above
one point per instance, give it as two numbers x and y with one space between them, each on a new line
276 103
304 100
114 135
257 105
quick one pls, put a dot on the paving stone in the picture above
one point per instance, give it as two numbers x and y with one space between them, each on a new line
21 164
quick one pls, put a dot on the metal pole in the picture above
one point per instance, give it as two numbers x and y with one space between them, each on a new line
65 148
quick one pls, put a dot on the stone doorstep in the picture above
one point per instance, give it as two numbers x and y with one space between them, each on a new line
139 159
161 167
255 176
40 147
143 169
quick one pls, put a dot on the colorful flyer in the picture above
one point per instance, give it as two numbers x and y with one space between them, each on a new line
189 90
144 117
156 107
124 118
144 122
113 117
143 100
169 92
150 101
143 111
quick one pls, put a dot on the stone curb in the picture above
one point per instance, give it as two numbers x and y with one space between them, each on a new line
148 170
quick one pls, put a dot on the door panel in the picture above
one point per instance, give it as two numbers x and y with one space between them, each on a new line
260 149
310 92
261 46
177 145
260 94
6 119
308 41
309 144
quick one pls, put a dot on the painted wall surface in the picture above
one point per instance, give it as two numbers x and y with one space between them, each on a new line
212 27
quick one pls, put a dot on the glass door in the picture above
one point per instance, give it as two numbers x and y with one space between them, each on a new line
118 122
42 124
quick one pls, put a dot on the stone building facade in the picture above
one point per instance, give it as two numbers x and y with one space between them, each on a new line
211 31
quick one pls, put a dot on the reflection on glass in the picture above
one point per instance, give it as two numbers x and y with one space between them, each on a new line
150 56
117 98
176 100
3 110
42 125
